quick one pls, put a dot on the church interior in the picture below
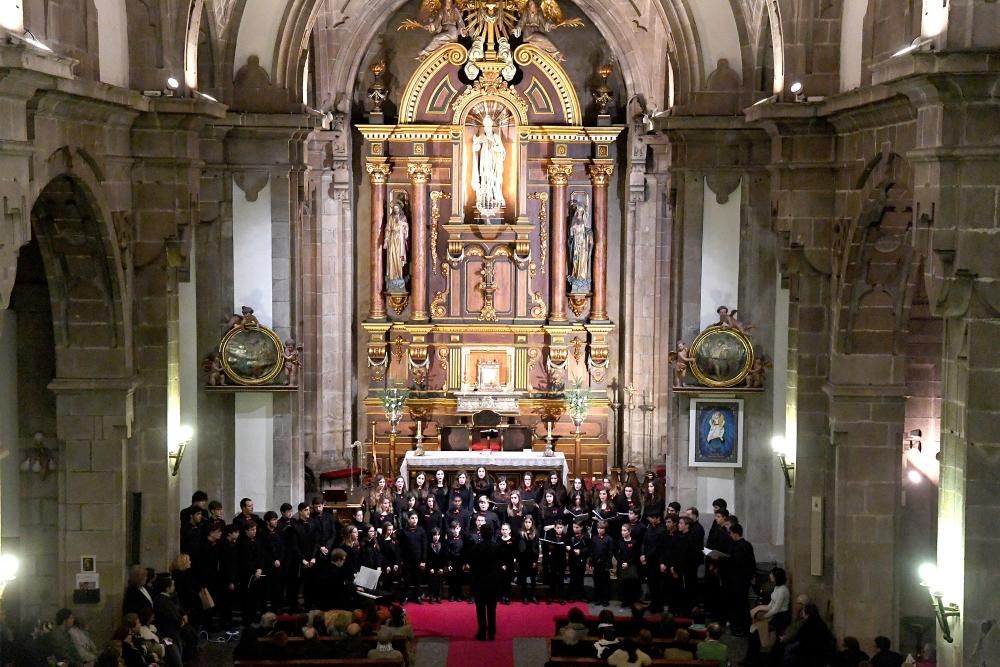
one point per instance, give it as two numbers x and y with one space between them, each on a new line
737 249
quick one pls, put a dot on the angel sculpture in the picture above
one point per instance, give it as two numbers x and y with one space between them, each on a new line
755 377
291 363
212 366
680 361
729 319
246 320
538 20
443 18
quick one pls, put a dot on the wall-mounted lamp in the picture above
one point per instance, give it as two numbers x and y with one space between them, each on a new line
185 434
930 579
917 43
40 460
798 90
780 447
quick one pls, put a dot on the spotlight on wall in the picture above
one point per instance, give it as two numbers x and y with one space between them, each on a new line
780 447
930 579
8 570
798 90
172 83
914 476
185 434
916 44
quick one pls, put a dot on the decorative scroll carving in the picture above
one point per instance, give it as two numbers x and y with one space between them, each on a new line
436 197
577 344
438 302
442 354
490 85
559 174
488 288
398 348
533 355
378 172
543 225
578 303
398 302
537 306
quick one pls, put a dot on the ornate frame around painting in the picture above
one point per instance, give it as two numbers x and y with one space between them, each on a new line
716 433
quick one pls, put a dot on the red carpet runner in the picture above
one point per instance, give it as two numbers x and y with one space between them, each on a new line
456 621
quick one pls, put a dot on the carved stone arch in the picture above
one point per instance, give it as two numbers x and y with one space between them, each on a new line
293 44
87 285
617 20
747 46
877 264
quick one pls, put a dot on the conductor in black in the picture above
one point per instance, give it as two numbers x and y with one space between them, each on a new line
485 577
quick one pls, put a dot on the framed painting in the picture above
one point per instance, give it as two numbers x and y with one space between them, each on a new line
716 433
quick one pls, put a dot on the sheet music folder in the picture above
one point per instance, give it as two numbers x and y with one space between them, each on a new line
367 580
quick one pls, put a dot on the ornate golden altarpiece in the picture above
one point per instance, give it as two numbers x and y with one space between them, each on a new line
488 305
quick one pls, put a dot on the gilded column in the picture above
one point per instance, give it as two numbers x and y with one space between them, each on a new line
559 173
420 174
378 172
600 176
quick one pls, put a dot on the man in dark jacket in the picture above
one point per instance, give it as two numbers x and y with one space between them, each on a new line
737 575
484 570
301 554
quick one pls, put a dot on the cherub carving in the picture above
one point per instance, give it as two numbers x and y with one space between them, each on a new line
291 363
680 361
246 320
755 377
730 320
440 17
212 366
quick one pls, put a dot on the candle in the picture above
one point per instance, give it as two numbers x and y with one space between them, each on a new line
419 434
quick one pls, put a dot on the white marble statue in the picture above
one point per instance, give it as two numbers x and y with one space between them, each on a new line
487 170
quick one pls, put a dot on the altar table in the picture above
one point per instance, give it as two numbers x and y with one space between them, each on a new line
492 461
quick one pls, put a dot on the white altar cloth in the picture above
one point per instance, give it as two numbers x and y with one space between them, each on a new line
469 461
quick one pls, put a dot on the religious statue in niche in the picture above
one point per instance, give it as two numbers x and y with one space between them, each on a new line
446 23
487 168
581 247
395 240
537 21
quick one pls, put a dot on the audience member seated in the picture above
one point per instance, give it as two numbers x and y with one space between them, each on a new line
713 648
312 648
64 646
384 650
811 642
627 654
644 640
400 629
851 655
884 655
680 648
607 643
351 645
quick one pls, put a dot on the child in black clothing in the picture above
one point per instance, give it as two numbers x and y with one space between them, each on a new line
555 551
437 564
508 558
579 546
454 553
601 550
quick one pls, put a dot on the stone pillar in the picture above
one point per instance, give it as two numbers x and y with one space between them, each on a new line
559 172
420 173
94 424
803 178
866 422
378 172
956 217
600 175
